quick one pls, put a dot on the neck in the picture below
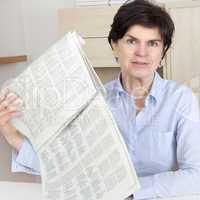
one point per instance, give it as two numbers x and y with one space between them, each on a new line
138 87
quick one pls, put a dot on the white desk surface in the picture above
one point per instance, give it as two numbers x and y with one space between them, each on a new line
33 191
20 191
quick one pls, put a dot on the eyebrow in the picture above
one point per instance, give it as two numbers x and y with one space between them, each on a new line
132 37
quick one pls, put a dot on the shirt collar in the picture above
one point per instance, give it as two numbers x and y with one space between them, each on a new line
118 86
155 88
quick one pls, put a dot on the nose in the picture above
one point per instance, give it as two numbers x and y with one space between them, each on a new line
141 50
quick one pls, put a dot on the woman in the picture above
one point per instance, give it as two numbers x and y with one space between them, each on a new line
158 118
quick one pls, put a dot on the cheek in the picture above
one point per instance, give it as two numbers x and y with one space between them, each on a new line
124 58
156 59
123 63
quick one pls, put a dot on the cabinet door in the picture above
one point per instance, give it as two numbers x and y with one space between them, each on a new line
183 62
93 24
87 21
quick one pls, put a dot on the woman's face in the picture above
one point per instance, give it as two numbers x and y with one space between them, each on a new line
139 52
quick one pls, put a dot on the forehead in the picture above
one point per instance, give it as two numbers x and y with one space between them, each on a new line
144 33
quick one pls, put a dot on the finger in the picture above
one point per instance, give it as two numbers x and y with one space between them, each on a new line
17 102
2 108
11 97
4 104
4 112
8 116
9 112
3 93
16 114
13 109
14 105
8 100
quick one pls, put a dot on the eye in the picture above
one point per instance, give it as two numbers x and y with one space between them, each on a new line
131 41
153 43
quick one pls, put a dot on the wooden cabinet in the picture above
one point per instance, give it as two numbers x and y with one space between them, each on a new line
93 24
183 60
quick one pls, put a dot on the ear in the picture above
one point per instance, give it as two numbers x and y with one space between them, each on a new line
115 48
161 64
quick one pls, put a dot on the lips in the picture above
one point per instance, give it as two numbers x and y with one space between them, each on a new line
139 64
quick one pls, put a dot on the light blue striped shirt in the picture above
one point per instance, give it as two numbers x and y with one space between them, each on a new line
163 139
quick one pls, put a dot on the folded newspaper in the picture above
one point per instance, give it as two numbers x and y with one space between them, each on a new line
82 154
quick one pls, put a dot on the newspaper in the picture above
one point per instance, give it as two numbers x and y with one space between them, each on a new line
82 154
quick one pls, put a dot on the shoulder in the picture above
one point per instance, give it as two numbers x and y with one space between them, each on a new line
183 98
111 86
174 89
112 89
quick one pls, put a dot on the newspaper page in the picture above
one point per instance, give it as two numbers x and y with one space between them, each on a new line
82 155
88 159
53 89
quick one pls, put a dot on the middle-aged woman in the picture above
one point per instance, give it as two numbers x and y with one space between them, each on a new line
158 119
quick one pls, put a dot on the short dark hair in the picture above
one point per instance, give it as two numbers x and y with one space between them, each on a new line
144 13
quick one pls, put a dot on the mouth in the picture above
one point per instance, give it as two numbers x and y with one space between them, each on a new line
139 64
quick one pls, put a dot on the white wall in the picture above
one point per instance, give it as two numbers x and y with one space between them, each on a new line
40 22
27 27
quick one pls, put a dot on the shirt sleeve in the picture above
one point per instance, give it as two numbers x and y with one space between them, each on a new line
26 160
185 180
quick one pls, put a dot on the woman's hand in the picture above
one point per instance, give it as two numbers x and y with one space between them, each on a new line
10 108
